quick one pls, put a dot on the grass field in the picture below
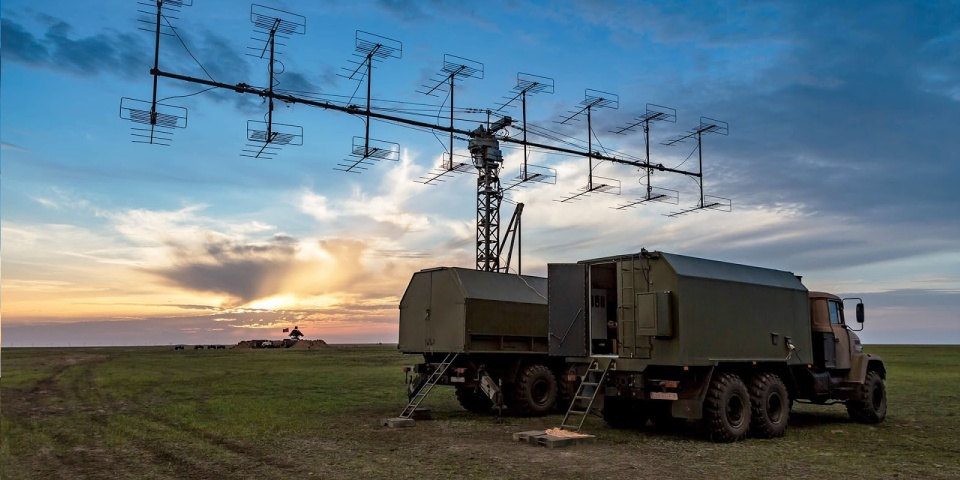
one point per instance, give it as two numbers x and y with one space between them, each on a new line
152 412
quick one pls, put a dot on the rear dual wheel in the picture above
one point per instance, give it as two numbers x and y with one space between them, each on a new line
726 410
770 406
473 399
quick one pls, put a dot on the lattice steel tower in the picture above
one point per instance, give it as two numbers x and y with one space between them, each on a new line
487 158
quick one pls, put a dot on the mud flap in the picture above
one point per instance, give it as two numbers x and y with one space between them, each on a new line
490 389
694 392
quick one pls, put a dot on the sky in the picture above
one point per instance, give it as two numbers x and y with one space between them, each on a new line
841 161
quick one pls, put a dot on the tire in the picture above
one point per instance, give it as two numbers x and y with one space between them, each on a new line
535 391
726 411
870 405
770 406
473 399
566 389
621 412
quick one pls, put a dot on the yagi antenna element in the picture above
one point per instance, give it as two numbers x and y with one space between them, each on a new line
653 113
266 138
454 67
529 84
593 99
369 49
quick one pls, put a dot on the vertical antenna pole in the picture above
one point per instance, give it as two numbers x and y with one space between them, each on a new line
366 138
452 76
523 100
646 141
589 151
700 154
273 32
156 67
519 246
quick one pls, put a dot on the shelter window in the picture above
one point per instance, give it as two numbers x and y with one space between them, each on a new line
835 315
599 301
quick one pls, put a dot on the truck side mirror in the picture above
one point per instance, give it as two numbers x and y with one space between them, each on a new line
859 313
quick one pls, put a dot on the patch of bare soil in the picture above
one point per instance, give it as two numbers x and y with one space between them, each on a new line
48 396
309 344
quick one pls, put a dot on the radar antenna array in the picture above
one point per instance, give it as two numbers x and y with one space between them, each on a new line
147 18
266 138
706 202
592 100
370 49
156 119
454 67
654 113
528 84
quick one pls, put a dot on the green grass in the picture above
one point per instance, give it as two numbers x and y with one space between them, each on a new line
152 412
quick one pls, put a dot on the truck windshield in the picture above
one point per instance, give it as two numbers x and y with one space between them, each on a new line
834 312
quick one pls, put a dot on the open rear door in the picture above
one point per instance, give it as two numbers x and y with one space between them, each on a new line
567 297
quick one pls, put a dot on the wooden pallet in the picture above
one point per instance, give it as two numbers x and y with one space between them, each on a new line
540 438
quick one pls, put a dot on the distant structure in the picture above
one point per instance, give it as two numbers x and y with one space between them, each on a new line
296 334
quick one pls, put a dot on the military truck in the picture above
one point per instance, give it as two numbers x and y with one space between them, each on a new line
493 327
679 337
731 345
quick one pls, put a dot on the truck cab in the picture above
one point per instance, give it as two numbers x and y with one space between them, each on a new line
833 340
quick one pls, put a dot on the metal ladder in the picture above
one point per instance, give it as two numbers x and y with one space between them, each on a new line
590 386
425 389
626 317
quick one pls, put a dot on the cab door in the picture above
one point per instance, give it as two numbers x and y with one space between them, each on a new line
841 336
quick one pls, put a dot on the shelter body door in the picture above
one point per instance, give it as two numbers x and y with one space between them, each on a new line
568 309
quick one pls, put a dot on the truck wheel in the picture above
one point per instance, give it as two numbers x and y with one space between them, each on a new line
771 406
566 388
621 412
870 405
535 392
473 399
726 411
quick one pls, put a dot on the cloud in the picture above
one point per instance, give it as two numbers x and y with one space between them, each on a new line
128 55
12 147
242 271
60 49
388 210
315 205
842 136
420 11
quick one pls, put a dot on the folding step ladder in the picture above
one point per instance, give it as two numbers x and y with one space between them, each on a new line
425 389
590 386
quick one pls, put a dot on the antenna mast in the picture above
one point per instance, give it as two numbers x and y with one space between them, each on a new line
487 158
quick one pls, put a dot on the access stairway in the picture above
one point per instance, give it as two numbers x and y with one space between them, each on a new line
428 385
590 386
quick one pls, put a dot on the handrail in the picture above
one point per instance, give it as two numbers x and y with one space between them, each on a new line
568 328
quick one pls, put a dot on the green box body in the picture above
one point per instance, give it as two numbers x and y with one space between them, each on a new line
674 310
470 311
